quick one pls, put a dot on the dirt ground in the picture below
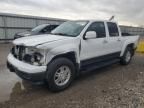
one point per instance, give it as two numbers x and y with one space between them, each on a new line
114 86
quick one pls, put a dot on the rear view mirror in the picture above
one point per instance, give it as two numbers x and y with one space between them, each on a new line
91 35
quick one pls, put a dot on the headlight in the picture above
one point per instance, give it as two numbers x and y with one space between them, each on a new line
38 58
35 56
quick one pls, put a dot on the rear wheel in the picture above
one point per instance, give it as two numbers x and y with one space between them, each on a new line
126 59
61 73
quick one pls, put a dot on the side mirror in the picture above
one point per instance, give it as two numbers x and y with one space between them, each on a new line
91 35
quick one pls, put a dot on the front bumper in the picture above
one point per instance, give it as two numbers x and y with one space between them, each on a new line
26 71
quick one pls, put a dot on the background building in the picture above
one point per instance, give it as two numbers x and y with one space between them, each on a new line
132 30
12 23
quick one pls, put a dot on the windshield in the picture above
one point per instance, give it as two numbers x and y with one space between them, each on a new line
38 28
70 28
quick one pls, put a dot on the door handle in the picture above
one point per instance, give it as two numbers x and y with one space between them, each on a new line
105 41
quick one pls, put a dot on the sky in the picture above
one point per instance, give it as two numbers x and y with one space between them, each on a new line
126 12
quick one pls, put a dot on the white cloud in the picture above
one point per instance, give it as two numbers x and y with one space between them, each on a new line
129 12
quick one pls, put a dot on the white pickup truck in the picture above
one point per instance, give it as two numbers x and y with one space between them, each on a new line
73 47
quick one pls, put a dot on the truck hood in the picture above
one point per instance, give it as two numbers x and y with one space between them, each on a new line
38 39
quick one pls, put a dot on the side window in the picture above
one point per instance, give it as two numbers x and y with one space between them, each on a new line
113 29
53 27
44 30
49 28
99 28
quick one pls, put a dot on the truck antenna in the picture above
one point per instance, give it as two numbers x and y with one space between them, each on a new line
112 18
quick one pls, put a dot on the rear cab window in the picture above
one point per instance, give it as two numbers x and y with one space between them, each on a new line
113 29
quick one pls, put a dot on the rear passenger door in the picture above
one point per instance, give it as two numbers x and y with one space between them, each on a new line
114 44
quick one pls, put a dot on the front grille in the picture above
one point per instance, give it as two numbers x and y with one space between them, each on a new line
28 58
18 52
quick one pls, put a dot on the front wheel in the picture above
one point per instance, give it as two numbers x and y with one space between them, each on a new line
126 58
60 74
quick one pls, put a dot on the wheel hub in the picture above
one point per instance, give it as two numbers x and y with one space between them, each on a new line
128 56
62 75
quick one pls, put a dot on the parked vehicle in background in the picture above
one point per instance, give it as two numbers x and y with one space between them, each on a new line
71 48
41 29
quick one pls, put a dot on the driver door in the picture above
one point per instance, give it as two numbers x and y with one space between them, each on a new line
92 48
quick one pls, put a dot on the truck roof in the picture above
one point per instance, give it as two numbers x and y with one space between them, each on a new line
97 20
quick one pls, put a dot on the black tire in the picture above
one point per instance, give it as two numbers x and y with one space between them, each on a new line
124 59
52 69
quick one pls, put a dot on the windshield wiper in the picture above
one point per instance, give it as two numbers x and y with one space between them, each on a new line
59 33
62 34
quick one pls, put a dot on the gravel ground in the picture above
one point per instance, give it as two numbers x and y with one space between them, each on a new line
114 86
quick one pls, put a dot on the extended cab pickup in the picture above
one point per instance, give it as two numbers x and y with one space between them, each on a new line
71 48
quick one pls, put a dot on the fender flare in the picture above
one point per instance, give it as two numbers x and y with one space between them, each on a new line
125 46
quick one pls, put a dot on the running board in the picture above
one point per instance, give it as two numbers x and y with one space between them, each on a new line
98 65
